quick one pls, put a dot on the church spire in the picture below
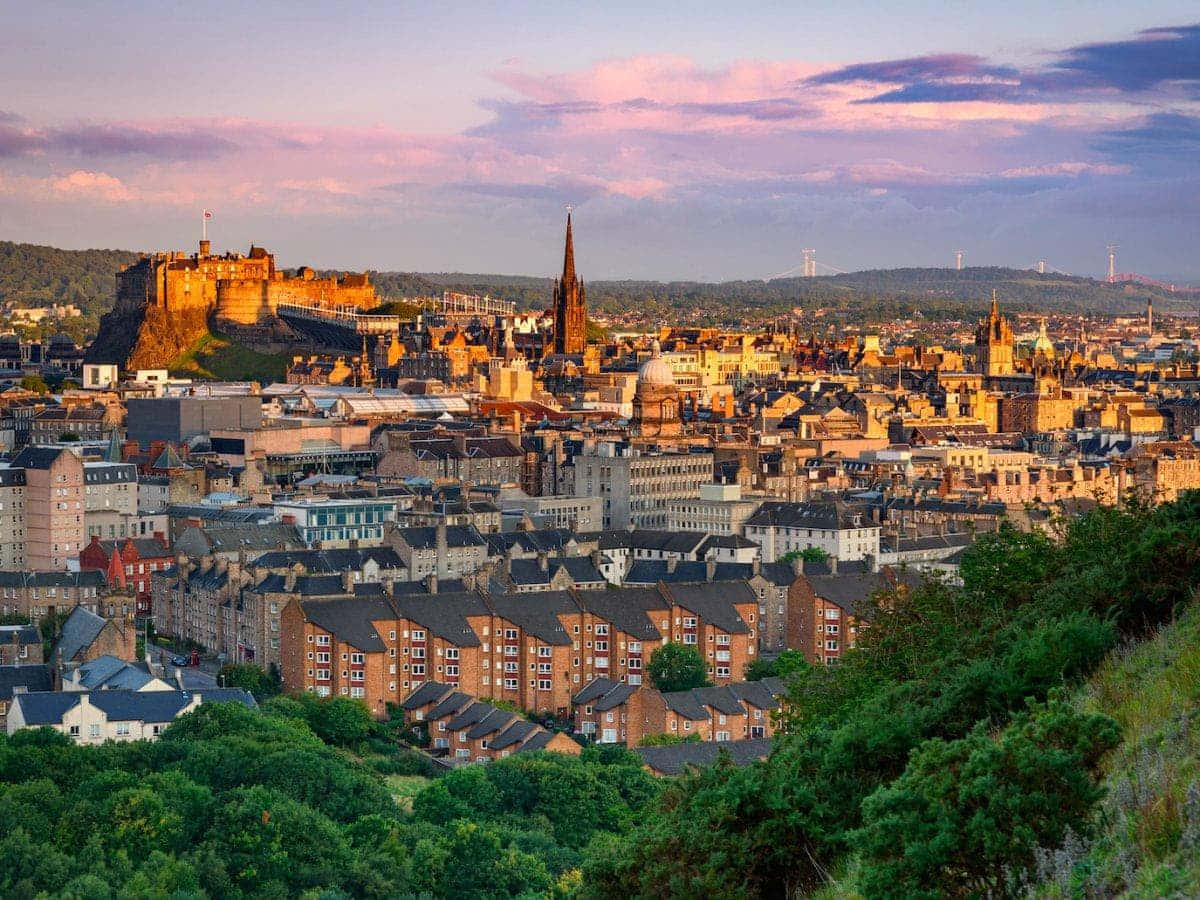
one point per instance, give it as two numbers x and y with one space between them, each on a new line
995 305
568 274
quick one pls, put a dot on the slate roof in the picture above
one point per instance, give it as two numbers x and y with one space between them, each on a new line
120 706
628 610
110 673
420 589
595 689
79 631
473 714
537 613
686 704
449 705
20 634
349 619
537 741
425 537
541 540
32 678
429 692
674 759
825 515
444 615
326 561
516 732
33 457
93 578
851 592
495 721
714 603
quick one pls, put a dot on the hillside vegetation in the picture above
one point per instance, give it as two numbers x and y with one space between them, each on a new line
40 276
944 757
1031 731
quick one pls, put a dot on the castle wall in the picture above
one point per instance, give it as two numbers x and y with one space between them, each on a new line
164 301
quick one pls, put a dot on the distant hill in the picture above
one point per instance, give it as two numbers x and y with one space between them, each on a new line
878 293
42 275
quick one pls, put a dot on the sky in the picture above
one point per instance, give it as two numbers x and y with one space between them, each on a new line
693 141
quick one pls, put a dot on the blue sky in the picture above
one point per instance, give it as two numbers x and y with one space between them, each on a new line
697 142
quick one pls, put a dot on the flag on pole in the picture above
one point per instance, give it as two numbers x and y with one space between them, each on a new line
207 214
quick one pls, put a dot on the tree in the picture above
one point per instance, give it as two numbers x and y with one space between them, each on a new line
677 667
784 665
255 679
35 383
69 437
966 815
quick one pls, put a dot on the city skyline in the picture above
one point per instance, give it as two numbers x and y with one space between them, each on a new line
706 150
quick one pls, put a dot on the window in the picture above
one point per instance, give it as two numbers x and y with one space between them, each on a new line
323 640
689 622
418 635
601 629
451 653
510 634
322 657
357 692
543 684
689 638
831 645
451 671
545 651
510 684
94 731
357 658
74 731
122 729
418 669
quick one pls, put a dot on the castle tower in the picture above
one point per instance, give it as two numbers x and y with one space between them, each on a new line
994 343
570 312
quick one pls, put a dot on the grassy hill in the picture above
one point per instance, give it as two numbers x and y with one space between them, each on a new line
1148 842
216 357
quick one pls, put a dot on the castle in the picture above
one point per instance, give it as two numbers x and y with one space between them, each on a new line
166 300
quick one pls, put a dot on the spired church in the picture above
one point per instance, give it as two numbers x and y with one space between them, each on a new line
570 310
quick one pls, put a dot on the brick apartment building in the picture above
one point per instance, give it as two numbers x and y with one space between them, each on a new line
468 730
830 610
137 560
611 712
535 650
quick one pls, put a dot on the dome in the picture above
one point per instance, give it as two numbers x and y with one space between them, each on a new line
656 371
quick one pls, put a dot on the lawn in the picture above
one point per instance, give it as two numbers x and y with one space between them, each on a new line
218 358
405 787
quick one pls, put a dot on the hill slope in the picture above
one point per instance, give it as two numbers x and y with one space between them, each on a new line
39 276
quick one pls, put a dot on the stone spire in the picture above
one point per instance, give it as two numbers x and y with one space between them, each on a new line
568 274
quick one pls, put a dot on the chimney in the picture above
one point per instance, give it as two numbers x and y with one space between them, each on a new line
348 582
543 561
672 562
710 569
442 548
872 563
431 583
833 563
755 566
179 678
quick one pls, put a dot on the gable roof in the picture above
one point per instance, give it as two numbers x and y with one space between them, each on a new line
628 610
429 692
79 631
537 613
31 678
714 602
349 619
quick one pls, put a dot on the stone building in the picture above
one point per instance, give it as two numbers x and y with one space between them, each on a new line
636 486
994 343
656 408
570 305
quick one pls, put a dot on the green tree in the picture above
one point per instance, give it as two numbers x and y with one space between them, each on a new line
966 815
677 667
35 383
259 682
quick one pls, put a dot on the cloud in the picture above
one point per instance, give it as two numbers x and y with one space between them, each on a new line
1163 59
164 142
98 186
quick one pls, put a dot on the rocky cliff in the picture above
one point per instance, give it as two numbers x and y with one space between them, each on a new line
149 337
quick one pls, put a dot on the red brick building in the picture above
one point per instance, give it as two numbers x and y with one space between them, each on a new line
137 560
610 712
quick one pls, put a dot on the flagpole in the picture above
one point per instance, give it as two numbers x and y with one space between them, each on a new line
203 225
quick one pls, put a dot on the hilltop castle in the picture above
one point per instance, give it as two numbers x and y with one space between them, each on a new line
165 301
